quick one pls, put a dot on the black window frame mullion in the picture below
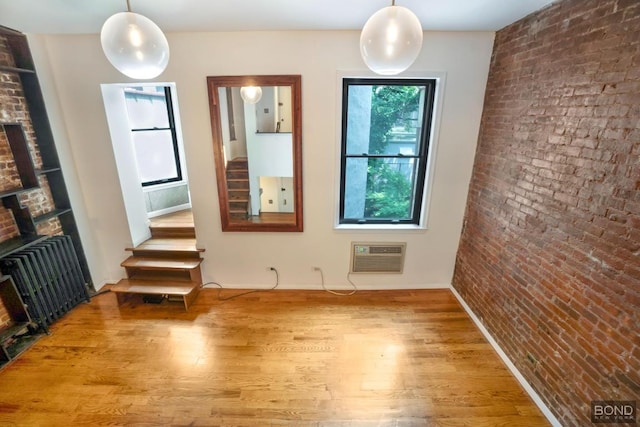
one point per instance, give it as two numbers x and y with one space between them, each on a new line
422 157
426 132
343 146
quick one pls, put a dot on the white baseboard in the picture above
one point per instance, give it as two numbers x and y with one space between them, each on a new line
165 211
333 287
516 373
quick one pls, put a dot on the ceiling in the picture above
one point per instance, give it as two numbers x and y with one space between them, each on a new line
87 16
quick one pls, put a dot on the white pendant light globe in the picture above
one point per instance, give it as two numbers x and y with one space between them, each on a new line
251 94
135 45
391 40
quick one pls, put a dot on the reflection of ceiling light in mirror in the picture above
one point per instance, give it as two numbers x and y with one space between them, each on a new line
391 40
134 45
251 94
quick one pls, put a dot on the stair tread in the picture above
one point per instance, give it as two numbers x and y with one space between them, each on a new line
161 263
172 232
168 244
154 287
186 226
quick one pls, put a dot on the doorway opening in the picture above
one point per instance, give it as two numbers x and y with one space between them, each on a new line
144 122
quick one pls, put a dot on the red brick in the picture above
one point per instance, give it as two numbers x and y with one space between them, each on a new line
552 266
14 109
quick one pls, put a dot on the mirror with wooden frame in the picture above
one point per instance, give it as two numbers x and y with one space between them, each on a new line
256 124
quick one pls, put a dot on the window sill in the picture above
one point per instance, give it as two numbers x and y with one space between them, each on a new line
380 227
164 186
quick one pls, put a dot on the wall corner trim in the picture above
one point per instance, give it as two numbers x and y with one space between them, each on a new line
523 382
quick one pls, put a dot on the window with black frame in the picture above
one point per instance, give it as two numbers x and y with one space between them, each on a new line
155 143
386 127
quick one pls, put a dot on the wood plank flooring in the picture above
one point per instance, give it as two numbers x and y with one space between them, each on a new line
183 218
294 358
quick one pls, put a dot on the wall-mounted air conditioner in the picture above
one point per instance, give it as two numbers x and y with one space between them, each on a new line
380 257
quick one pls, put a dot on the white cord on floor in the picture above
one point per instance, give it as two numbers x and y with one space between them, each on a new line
220 287
355 289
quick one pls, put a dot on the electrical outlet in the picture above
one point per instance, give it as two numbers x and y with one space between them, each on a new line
316 268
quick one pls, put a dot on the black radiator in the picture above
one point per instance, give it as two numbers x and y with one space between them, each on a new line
48 277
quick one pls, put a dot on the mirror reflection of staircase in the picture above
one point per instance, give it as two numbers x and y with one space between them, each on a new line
165 267
238 187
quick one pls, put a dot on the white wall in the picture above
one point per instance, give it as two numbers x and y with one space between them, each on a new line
124 153
268 154
72 81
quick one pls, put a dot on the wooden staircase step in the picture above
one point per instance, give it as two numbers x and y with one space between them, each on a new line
160 276
154 287
167 247
238 174
238 163
166 266
147 263
176 224
238 185
173 267
184 290
172 232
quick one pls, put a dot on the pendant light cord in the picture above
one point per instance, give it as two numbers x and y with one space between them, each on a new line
129 6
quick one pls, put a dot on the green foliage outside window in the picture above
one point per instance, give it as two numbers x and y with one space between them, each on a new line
389 192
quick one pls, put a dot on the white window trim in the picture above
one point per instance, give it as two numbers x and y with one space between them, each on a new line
440 78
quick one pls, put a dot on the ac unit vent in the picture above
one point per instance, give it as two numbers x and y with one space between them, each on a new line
377 257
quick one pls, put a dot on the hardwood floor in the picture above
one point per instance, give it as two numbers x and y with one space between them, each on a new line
295 358
183 218
273 218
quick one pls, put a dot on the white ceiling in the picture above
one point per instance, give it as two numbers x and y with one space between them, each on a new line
87 16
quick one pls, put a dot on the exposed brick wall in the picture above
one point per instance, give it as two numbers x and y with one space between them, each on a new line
8 179
13 109
38 200
549 257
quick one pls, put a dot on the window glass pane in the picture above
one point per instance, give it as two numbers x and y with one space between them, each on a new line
146 107
384 119
379 188
384 149
154 155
